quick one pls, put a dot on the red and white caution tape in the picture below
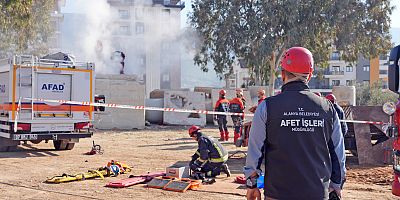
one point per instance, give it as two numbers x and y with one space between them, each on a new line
207 112
363 122
138 107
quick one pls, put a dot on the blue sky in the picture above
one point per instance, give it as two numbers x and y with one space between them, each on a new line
396 14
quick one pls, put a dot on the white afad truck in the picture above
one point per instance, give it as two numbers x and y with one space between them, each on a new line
25 115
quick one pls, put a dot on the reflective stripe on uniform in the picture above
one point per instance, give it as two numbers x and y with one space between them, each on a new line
218 160
221 155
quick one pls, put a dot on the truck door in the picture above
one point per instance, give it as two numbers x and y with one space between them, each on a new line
53 86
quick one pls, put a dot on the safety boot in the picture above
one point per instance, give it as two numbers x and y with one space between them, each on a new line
236 136
226 135
226 170
221 136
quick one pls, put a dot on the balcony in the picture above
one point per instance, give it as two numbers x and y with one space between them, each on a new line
171 3
333 74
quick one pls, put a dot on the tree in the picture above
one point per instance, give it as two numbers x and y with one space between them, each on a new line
374 95
25 26
259 31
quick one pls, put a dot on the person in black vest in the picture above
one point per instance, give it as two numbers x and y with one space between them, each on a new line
339 111
236 106
210 157
298 135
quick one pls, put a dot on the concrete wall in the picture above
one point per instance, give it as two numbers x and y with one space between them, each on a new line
120 89
184 100
208 101
154 117
345 95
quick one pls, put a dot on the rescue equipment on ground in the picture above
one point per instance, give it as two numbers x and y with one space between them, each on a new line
113 168
174 184
240 179
96 149
133 180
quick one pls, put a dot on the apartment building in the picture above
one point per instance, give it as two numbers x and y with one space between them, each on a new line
373 71
147 32
339 72
57 18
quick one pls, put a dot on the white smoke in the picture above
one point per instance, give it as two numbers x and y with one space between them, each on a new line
92 33
93 27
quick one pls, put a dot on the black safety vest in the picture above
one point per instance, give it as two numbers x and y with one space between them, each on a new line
297 159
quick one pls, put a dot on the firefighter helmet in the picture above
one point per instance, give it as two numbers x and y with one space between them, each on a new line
193 130
298 60
331 98
222 92
239 92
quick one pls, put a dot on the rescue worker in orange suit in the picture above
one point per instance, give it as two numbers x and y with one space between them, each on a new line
210 157
339 111
222 105
261 96
239 93
298 136
236 106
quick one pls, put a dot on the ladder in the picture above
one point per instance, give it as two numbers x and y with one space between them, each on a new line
26 81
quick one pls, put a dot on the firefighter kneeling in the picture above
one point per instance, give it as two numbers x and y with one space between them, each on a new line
210 157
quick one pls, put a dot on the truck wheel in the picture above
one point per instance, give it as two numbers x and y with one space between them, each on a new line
60 144
36 141
70 146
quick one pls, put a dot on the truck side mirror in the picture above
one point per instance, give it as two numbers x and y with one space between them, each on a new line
393 70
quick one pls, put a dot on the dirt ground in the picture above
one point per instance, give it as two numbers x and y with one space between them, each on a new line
23 172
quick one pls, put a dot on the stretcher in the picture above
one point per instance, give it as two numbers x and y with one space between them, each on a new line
113 168
101 172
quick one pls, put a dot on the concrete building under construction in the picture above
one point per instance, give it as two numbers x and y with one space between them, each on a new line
146 31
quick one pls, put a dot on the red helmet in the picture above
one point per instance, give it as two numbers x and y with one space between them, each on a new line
193 130
331 98
298 60
222 92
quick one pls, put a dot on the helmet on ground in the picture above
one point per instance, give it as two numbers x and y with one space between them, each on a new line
331 98
115 170
222 92
298 60
193 130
